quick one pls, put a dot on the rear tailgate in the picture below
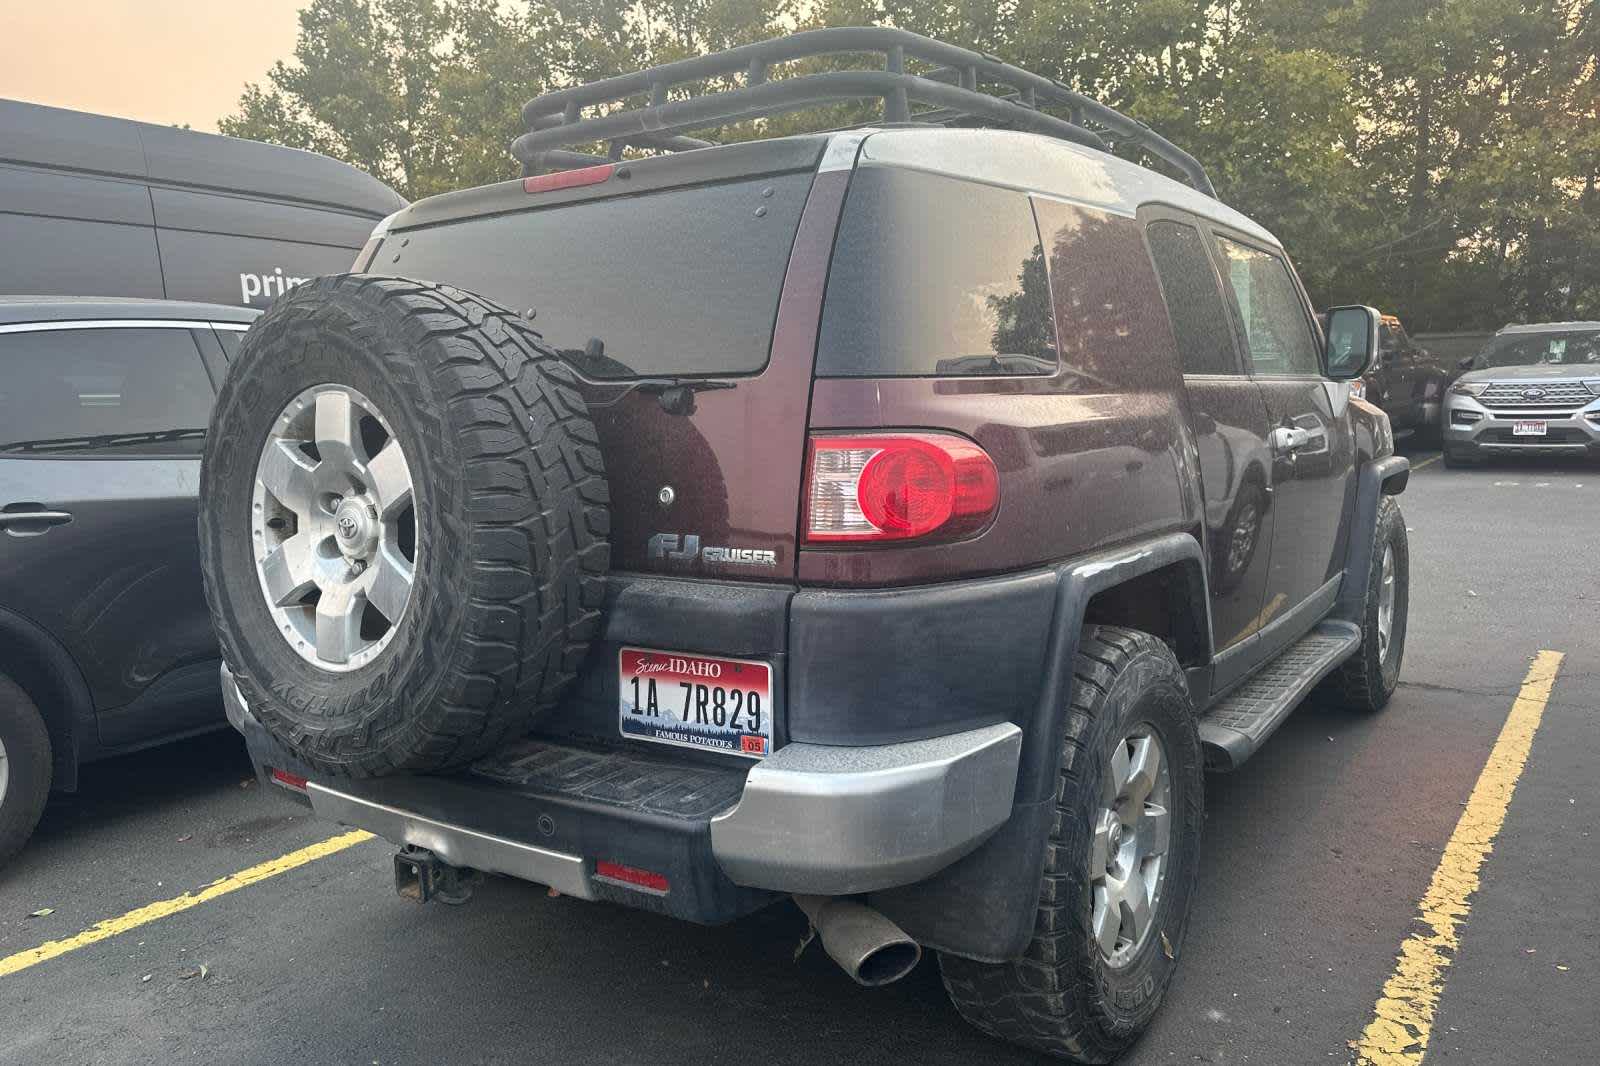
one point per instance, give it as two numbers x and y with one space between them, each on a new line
686 291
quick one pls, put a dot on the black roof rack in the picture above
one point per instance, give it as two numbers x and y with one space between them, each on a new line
555 120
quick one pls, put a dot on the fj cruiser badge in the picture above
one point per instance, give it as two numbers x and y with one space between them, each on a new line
670 546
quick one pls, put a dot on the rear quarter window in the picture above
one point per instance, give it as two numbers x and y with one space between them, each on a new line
1108 305
933 276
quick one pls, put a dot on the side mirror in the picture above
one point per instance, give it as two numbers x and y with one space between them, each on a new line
1352 341
1466 364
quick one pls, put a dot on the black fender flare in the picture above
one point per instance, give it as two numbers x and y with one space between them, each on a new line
1387 476
38 662
983 906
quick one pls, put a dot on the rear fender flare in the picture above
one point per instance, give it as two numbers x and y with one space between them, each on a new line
1079 582
983 906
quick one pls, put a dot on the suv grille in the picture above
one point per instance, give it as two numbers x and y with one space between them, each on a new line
1544 394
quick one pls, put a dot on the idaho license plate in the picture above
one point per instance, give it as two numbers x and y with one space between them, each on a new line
696 701
1529 429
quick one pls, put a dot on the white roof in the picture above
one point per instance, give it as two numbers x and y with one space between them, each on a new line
1039 164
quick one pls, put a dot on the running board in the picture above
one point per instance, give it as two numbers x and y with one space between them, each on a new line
1235 728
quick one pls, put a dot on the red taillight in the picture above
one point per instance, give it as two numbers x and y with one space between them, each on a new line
568 179
897 486
631 875
288 780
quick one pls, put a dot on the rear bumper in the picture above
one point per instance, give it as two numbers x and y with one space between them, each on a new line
811 818
835 821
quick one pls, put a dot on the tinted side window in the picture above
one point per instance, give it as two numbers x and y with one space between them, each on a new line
935 276
103 391
1109 314
230 339
1194 303
1277 332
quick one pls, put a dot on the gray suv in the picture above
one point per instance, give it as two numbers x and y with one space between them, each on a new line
1532 390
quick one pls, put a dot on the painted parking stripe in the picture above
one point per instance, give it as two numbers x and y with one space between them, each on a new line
162 908
1425 462
1402 1021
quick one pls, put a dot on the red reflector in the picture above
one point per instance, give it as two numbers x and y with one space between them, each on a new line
631 875
568 179
897 486
288 780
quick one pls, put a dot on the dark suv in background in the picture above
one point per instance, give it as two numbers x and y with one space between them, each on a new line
898 519
105 645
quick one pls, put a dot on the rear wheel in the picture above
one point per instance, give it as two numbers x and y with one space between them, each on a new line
1120 863
24 767
404 530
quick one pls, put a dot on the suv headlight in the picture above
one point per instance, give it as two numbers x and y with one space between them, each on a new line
1469 388
1593 385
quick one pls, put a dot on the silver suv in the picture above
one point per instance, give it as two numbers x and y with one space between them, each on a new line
1533 390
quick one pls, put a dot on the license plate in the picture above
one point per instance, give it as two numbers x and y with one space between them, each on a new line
1529 429
696 701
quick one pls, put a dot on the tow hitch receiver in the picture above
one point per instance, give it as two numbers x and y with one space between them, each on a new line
420 877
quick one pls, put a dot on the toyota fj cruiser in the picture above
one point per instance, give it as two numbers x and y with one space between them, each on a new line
898 518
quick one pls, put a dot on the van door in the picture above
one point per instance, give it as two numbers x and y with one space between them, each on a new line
101 430
1311 445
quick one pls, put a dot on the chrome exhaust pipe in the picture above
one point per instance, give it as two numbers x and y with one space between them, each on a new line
871 949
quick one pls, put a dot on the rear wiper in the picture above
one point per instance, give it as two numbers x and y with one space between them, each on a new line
101 440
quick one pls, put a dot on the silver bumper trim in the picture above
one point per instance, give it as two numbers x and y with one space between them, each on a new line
455 844
835 820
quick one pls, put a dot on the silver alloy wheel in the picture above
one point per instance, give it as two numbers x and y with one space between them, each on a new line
1386 603
334 526
1128 858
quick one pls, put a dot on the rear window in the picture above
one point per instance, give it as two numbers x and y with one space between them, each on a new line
684 281
933 276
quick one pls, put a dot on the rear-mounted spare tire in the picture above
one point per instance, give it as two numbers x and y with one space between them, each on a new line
403 524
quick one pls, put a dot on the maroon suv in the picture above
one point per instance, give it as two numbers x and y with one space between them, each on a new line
898 519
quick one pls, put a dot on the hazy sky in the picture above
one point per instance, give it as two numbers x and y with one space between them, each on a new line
168 61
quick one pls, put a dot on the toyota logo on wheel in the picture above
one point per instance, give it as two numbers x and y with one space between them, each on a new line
347 527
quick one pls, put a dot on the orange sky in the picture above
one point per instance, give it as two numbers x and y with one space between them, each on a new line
168 61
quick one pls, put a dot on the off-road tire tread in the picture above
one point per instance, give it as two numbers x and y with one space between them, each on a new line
1041 1000
534 522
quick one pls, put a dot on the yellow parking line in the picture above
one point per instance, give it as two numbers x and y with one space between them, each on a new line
151 911
1402 1021
1425 462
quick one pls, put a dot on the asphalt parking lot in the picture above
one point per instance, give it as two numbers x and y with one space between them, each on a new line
1319 856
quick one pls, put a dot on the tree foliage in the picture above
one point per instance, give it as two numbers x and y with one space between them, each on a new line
1437 158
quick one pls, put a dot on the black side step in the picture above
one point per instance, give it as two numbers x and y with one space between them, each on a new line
1235 728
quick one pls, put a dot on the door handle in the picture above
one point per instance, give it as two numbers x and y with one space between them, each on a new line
1289 438
32 523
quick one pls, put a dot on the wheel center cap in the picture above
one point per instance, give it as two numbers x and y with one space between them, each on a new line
355 527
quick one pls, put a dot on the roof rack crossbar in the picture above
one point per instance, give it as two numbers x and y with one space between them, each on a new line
555 121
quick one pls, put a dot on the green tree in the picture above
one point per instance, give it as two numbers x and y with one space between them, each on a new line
1437 158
